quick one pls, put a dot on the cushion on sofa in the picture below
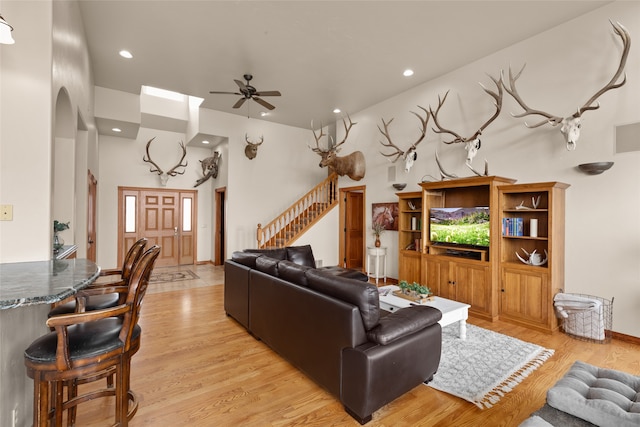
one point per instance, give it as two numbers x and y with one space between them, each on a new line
292 272
245 258
348 273
277 253
301 255
267 265
402 323
361 294
604 397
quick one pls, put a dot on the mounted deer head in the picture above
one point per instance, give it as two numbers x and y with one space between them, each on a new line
352 165
251 149
164 176
571 125
472 143
410 155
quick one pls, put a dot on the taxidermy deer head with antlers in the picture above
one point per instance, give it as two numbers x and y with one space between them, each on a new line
352 165
164 176
410 155
571 125
472 143
251 149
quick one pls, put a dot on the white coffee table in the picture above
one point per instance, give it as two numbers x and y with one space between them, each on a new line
452 311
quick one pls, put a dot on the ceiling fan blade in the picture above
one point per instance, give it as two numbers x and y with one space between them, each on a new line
264 103
268 93
242 86
225 93
239 103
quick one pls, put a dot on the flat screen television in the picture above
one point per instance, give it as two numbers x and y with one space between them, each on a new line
460 226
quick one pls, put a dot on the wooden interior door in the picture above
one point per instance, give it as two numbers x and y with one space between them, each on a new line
91 217
352 226
165 217
159 224
220 249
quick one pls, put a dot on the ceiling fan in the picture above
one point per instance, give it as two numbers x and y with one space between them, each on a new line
249 92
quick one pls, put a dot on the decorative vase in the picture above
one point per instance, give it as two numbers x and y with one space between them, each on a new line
377 241
57 242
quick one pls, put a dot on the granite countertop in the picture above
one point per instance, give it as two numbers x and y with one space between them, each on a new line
44 282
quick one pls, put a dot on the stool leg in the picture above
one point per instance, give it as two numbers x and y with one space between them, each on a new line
41 396
58 390
122 395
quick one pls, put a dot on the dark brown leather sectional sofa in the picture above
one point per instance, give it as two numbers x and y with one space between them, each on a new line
327 322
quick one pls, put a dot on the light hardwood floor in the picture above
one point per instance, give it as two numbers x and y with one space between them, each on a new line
198 367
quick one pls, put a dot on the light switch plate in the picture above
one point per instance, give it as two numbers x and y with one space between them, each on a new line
6 212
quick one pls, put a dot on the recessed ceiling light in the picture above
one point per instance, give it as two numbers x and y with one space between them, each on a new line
125 54
264 113
336 110
116 129
408 72
204 141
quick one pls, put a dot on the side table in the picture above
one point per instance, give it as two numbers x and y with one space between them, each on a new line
377 253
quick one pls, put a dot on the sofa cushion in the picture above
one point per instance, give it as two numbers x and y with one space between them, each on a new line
361 294
277 253
245 258
267 265
348 273
301 255
292 272
402 323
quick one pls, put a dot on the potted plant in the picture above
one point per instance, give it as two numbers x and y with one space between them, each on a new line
378 229
57 227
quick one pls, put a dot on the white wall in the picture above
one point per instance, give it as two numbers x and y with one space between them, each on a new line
602 227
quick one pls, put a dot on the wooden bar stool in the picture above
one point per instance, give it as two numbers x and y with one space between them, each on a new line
87 344
105 299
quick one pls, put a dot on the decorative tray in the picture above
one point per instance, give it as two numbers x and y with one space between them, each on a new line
413 299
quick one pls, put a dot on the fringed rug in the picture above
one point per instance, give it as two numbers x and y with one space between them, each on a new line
485 366
172 276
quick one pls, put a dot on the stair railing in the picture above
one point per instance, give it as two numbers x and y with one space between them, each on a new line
300 216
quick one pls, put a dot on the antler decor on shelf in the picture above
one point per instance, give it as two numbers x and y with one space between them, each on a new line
164 176
472 143
410 155
571 125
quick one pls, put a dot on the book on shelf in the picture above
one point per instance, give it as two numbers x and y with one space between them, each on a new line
513 227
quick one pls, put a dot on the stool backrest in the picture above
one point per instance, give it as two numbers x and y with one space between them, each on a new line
138 283
133 255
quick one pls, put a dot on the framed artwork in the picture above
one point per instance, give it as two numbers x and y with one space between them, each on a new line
385 214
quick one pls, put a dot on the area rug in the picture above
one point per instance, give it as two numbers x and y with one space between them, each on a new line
172 276
486 366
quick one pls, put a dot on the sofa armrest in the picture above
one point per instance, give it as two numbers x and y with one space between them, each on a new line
374 375
403 322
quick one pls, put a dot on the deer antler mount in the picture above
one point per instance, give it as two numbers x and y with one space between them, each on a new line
164 176
472 143
571 125
410 155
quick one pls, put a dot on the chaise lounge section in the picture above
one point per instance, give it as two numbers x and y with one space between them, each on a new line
327 323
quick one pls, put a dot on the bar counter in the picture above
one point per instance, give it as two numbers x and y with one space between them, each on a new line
44 282
27 290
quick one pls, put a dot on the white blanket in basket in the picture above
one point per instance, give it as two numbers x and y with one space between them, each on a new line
582 316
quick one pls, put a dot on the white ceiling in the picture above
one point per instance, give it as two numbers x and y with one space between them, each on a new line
319 54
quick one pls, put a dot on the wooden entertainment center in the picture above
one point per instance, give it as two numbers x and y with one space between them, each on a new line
491 277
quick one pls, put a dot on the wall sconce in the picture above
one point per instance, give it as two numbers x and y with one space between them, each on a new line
5 32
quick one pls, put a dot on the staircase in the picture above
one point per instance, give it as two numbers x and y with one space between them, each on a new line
300 216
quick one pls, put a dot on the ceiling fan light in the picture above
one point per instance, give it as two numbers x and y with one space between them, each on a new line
5 32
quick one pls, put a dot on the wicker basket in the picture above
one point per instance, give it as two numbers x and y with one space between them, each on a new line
590 325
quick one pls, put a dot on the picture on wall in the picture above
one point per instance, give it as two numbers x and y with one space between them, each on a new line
385 214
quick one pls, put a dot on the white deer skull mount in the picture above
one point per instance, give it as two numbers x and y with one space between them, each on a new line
410 155
164 176
571 125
